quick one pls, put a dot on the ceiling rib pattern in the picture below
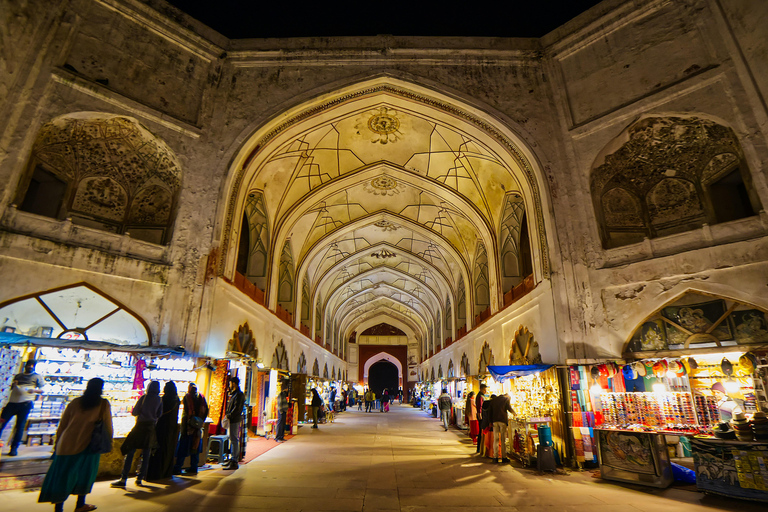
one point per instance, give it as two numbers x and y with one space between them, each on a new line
388 202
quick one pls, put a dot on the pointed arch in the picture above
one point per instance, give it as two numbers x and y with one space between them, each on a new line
481 282
301 364
254 237
285 298
486 359
315 369
280 357
514 248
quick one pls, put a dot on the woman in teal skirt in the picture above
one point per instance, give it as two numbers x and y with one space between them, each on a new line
74 467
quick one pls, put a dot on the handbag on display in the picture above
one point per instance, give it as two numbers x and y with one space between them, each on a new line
101 442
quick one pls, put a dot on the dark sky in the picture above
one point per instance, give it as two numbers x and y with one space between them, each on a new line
284 18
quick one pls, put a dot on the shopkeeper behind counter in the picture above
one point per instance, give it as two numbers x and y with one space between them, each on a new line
24 389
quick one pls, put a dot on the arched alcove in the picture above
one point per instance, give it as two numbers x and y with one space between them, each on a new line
103 171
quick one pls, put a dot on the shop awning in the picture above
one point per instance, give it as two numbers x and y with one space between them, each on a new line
7 338
502 373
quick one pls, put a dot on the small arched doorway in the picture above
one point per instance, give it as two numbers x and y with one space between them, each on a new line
383 375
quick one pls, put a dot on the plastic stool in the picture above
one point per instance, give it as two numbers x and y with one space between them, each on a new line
217 447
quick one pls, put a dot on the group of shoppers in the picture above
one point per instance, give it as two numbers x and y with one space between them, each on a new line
489 418
85 432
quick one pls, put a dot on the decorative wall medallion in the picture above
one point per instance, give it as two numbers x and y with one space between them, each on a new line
385 125
385 225
383 254
383 186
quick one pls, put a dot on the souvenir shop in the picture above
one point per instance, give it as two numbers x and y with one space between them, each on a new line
67 365
690 391
537 430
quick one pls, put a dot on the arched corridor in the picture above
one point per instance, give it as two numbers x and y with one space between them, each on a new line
401 460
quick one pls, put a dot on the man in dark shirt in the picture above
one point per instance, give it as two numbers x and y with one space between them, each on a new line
500 406
235 403
479 399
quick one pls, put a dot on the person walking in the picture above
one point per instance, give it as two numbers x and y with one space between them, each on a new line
317 403
24 389
332 401
74 466
360 401
344 399
282 411
167 433
234 413
444 403
385 401
369 398
147 411
500 406
192 420
479 399
471 413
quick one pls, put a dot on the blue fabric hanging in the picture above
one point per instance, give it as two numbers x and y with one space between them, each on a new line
502 373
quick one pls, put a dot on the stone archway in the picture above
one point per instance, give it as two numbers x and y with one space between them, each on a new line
384 356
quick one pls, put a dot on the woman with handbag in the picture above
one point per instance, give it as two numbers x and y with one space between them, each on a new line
84 433
147 410
167 432
192 422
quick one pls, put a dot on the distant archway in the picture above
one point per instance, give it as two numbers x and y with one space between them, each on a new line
383 375
383 356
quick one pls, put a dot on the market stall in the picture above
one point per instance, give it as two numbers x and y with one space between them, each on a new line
535 396
692 372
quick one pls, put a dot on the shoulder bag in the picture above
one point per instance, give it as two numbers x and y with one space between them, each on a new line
101 441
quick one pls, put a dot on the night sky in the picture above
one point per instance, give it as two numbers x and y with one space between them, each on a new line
511 18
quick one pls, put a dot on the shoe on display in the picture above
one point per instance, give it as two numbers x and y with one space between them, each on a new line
118 483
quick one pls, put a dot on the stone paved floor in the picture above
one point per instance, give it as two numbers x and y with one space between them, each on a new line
402 460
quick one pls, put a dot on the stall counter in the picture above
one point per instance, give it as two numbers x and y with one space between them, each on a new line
636 457
731 468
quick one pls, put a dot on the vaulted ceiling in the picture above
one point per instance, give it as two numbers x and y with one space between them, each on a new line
381 203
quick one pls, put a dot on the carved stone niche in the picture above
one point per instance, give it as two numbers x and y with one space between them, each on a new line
670 175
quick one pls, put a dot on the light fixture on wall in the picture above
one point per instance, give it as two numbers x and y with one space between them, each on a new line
259 364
